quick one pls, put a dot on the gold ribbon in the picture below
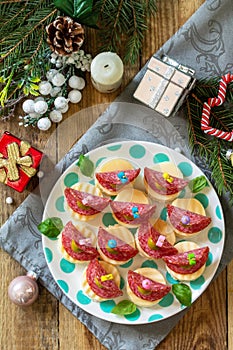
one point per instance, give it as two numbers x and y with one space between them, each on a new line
16 160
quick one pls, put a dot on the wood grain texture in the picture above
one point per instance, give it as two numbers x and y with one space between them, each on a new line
47 325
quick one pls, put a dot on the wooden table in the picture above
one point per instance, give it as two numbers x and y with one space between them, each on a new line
47 325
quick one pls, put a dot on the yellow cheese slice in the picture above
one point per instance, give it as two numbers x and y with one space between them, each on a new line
184 247
191 204
154 275
113 165
88 188
87 233
132 195
165 229
172 170
122 233
110 269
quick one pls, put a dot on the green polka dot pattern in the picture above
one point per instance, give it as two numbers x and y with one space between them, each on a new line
71 179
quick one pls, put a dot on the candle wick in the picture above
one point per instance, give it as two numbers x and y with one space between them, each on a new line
106 66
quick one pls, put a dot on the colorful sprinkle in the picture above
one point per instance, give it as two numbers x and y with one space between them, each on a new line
185 220
106 277
160 241
112 243
191 259
85 241
121 175
167 177
135 212
146 284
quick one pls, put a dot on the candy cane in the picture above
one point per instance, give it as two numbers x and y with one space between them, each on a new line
216 101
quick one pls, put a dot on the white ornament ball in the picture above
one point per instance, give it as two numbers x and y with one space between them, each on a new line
58 79
39 98
50 74
28 106
55 116
76 82
55 91
64 110
34 115
41 107
74 96
60 102
45 87
44 124
9 200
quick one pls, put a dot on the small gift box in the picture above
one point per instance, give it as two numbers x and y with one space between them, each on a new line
165 85
18 161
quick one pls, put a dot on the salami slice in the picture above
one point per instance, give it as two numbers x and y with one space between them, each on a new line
85 203
105 289
76 245
149 239
186 221
115 180
155 292
122 251
163 183
187 262
132 213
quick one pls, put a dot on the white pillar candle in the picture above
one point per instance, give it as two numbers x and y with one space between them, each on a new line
106 72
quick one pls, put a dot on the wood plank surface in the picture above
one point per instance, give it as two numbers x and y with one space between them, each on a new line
47 325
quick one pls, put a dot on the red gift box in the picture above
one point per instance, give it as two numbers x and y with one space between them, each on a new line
18 161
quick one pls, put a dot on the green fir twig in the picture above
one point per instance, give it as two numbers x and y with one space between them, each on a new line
123 25
23 48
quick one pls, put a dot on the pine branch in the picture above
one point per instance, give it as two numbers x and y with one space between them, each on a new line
123 25
211 149
22 46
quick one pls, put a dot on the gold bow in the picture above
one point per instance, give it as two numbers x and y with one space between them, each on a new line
16 160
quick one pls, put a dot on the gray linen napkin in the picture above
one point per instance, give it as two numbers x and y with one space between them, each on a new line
202 43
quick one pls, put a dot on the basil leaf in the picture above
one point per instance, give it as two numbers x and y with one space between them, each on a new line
85 165
198 183
51 227
183 293
124 307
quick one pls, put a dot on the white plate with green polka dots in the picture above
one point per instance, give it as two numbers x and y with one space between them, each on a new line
68 275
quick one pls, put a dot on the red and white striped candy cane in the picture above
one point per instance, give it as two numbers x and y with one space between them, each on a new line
216 101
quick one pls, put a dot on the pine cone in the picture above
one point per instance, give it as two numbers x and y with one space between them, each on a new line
65 36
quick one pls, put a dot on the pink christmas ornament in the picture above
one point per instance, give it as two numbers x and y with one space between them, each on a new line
23 290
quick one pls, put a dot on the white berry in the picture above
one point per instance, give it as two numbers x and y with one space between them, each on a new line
28 106
44 124
41 107
50 74
9 200
45 87
34 115
76 82
55 91
60 102
55 116
58 79
74 96
39 98
64 110
40 174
